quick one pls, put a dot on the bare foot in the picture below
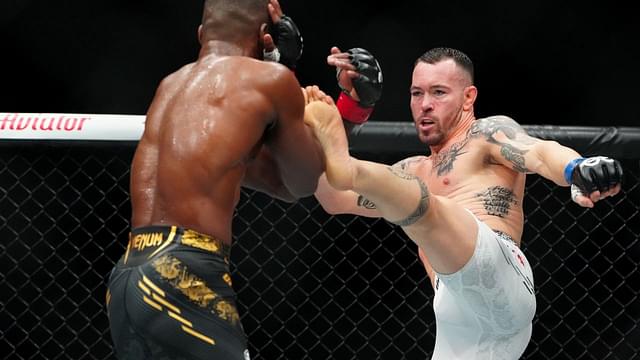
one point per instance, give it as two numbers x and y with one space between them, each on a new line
327 126
313 93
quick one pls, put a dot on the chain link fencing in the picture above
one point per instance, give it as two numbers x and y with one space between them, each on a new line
310 285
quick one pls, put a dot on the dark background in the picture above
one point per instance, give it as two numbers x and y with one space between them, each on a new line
542 62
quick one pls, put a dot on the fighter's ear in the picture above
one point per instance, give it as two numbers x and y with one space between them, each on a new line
266 41
264 29
470 95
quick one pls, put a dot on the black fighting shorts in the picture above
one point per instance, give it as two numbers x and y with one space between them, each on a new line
170 297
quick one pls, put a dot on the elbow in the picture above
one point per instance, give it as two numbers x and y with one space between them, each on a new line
294 193
301 186
280 191
301 193
287 199
283 194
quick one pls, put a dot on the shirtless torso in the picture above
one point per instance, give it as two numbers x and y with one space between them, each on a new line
226 121
462 205
213 126
465 171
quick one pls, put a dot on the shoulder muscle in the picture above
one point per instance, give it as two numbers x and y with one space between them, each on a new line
508 141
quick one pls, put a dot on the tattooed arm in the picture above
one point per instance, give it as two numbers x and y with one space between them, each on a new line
348 202
510 146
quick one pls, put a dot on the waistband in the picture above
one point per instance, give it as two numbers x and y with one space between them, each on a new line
505 236
148 241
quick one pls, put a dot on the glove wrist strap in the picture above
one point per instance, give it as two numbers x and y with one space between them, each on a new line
568 170
351 110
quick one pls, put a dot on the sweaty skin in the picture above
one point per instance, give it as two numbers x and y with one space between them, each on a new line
215 125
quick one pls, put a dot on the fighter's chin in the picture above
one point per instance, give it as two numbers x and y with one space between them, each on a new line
430 139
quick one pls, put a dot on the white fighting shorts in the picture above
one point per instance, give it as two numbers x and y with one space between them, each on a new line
484 310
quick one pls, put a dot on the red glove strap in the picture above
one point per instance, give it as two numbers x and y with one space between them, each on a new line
351 111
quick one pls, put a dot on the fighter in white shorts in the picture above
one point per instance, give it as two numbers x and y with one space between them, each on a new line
448 202
484 310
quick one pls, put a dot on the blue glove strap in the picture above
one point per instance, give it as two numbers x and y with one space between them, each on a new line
568 170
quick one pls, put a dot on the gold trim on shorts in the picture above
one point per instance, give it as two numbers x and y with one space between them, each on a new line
155 297
194 288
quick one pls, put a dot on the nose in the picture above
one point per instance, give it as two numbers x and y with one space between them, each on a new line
427 104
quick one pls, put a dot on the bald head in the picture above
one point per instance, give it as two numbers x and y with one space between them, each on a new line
231 20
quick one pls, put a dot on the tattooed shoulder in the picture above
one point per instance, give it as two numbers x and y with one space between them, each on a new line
489 126
511 138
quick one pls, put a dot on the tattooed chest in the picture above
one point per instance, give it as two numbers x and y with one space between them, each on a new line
444 162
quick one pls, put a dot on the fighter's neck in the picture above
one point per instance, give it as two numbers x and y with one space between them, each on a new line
459 131
225 48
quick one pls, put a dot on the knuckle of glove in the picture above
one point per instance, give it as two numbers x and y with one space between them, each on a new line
617 173
597 173
359 51
369 84
368 91
288 40
365 69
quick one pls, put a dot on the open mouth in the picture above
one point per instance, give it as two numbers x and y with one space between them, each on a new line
425 124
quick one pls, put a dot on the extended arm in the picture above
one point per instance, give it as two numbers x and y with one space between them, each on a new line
291 142
511 146
289 161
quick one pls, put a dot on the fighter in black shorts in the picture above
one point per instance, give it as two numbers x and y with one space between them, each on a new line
170 297
226 120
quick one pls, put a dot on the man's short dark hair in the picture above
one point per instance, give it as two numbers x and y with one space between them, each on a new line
439 54
234 18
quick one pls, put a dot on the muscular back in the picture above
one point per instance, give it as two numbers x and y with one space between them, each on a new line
207 122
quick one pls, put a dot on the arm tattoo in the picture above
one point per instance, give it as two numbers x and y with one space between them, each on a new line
423 204
515 156
489 127
497 200
365 203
